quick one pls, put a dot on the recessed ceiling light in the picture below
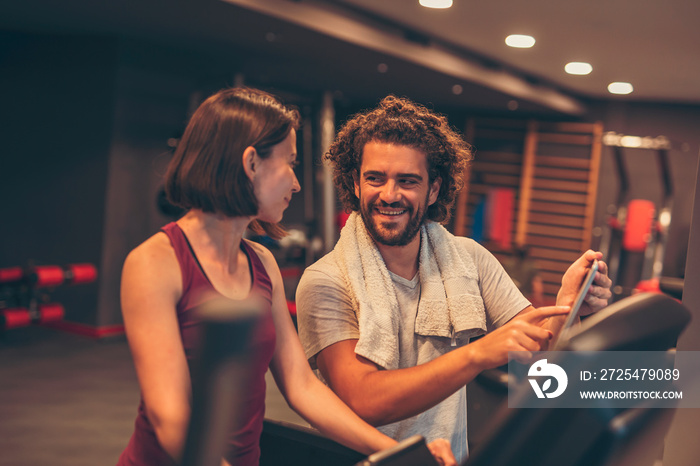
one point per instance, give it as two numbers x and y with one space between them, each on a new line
436 3
520 41
457 89
578 67
620 88
382 68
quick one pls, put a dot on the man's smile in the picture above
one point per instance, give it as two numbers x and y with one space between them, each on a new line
390 212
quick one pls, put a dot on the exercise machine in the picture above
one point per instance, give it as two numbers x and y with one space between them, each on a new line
635 238
600 436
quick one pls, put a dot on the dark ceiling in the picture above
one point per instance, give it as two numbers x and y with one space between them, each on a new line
273 51
268 51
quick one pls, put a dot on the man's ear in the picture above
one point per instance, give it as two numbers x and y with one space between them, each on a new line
434 190
250 161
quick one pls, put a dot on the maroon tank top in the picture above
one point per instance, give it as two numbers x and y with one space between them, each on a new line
243 444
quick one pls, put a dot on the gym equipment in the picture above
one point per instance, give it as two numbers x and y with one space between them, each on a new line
635 239
219 372
291 444
15 317
11 275
602 436
219 375
412 451
23 292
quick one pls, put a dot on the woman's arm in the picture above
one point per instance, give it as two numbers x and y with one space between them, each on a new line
150 288
307 395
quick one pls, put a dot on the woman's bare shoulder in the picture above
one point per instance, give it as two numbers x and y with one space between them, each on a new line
154 258
154 249
265 256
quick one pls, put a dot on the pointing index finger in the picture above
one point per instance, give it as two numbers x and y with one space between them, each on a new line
543 313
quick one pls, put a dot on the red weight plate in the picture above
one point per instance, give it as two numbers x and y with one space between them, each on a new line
17 317
49 275
11 274
51 312
82 273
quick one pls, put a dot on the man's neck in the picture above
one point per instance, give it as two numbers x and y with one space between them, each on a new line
402 260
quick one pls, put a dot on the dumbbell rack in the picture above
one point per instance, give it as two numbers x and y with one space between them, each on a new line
24 292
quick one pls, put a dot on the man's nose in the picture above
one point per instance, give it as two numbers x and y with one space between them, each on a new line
390 193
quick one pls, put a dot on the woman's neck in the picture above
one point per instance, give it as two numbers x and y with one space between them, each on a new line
214 236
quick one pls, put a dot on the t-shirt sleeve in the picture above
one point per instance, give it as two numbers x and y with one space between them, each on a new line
501 296
325 313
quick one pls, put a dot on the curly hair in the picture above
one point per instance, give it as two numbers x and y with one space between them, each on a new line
400 121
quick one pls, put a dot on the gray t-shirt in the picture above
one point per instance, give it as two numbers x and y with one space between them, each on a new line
326 316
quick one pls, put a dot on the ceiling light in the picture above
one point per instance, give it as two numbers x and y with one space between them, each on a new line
578 67
620 88
631 141
520 41
457 89
436 3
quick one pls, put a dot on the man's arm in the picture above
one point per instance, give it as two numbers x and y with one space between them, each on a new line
381 396
384 396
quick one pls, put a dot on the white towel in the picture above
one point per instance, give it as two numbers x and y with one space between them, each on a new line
450 300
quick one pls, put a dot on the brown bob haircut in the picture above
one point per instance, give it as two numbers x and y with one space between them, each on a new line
402 122
206 171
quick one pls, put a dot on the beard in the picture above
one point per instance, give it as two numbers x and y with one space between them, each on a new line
390 234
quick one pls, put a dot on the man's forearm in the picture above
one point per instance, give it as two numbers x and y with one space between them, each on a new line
385 396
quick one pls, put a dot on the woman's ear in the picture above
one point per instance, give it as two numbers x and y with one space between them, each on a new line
250 161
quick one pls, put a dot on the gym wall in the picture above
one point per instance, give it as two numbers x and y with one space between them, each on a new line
55 127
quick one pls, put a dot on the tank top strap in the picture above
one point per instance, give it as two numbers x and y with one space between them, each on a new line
189 267
261 279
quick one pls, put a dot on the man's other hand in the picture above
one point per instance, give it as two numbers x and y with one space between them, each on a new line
442 451
598 294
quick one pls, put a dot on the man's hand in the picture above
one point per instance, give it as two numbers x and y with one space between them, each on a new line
599 293
523 333
442 452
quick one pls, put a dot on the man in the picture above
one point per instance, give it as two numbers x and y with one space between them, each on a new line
386 317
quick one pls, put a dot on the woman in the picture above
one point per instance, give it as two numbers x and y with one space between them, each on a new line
233 169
